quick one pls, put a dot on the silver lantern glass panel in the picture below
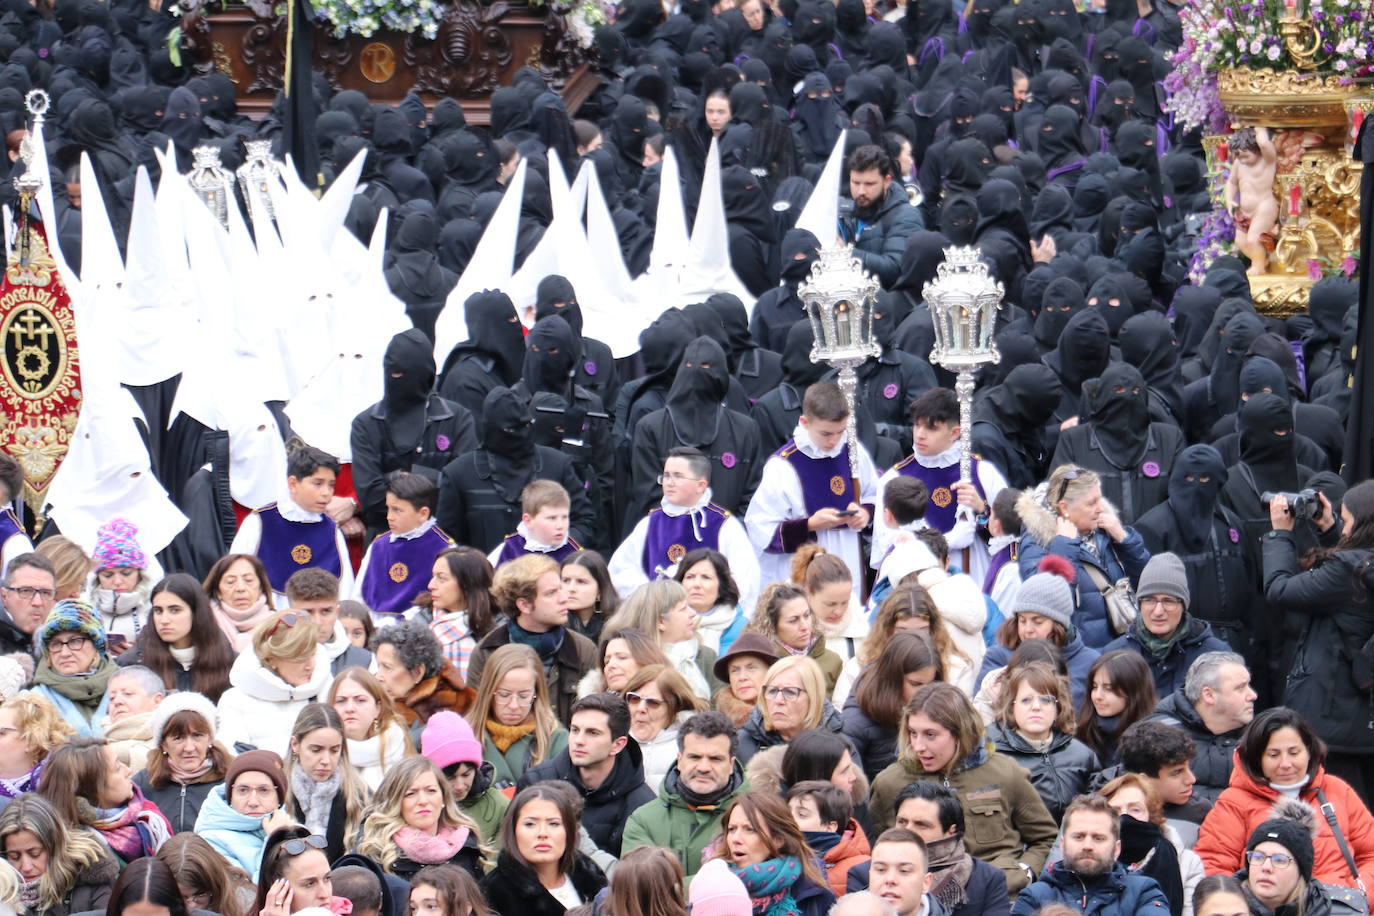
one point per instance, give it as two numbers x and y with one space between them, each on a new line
964 300
259 169
838 297
211 182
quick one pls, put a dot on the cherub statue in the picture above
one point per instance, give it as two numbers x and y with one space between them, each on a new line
1250 194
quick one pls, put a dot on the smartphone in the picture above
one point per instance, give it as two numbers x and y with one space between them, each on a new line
847 512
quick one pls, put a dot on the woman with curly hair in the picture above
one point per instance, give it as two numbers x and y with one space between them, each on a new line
419 680
29 729
413 822
511 717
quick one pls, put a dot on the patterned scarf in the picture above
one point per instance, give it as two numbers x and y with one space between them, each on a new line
316 799
12 788
951 867
769 884
119 827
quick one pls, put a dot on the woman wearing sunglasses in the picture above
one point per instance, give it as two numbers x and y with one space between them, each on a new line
659 700
1072 520
294 874
791 701
287 669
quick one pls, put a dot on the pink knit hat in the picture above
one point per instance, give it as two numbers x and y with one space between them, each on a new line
715 891
448 739
116 544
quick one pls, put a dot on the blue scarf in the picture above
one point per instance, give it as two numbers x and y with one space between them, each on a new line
769 884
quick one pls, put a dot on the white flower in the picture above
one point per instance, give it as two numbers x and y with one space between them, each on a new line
1273 53
1341 65
1256 46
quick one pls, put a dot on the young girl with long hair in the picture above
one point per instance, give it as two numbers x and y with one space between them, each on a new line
147 884
209 882
592 598
647 882
872 713
323 790
413 822
540 871
784 615
829 587
511 717
446 890
183 644
1121 692
87 785
376 734
460 603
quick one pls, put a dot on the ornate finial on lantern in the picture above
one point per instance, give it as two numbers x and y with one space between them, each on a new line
211 182
258 169
964 300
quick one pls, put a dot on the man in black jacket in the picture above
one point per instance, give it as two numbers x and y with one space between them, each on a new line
1214 706
29 592
882 217
604 764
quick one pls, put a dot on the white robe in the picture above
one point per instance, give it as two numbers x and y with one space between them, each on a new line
627 566
779 499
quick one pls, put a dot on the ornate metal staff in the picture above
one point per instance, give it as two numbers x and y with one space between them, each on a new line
839 301
963 302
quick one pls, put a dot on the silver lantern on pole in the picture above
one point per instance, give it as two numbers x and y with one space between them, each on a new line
211 182
963 302
838 297
258 171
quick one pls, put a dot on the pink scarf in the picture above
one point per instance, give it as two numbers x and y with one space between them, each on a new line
419 846
238 625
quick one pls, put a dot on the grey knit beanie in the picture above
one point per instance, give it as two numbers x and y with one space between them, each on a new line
1164 575
1048 593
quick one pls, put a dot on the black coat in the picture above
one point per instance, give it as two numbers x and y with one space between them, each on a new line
1170 670
876 744
334 835
512 889
179 804
1215 753
1337 619
1057 774
606 808
449 431
477 515
1221 576
1134 490
887 386
758 371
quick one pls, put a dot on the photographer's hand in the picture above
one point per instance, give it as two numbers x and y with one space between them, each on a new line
1327 518
1279 519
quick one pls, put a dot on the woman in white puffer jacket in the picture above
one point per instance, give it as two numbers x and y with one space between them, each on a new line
270 685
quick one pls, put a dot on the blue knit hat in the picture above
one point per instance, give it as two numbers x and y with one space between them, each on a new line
72 615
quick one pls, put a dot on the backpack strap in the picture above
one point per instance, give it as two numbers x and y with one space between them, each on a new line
1329 812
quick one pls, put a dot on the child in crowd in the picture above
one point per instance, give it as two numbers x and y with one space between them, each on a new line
397 565
1003 578
904 509
120 589
296 534
356 619
824 812
543 528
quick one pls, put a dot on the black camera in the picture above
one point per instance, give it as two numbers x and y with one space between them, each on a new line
1302 504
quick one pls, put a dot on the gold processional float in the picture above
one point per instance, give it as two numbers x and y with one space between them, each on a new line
1280 90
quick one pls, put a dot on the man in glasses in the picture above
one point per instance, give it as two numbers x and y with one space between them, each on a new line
1089 879
604 764
684 521
1165 634
28 595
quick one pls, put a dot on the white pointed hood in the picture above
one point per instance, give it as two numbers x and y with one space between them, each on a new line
708 270
821 215
491 267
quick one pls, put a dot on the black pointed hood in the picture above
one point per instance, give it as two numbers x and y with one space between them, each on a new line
1117 405
1195 483
1267 443
494 329
551 356
694 402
